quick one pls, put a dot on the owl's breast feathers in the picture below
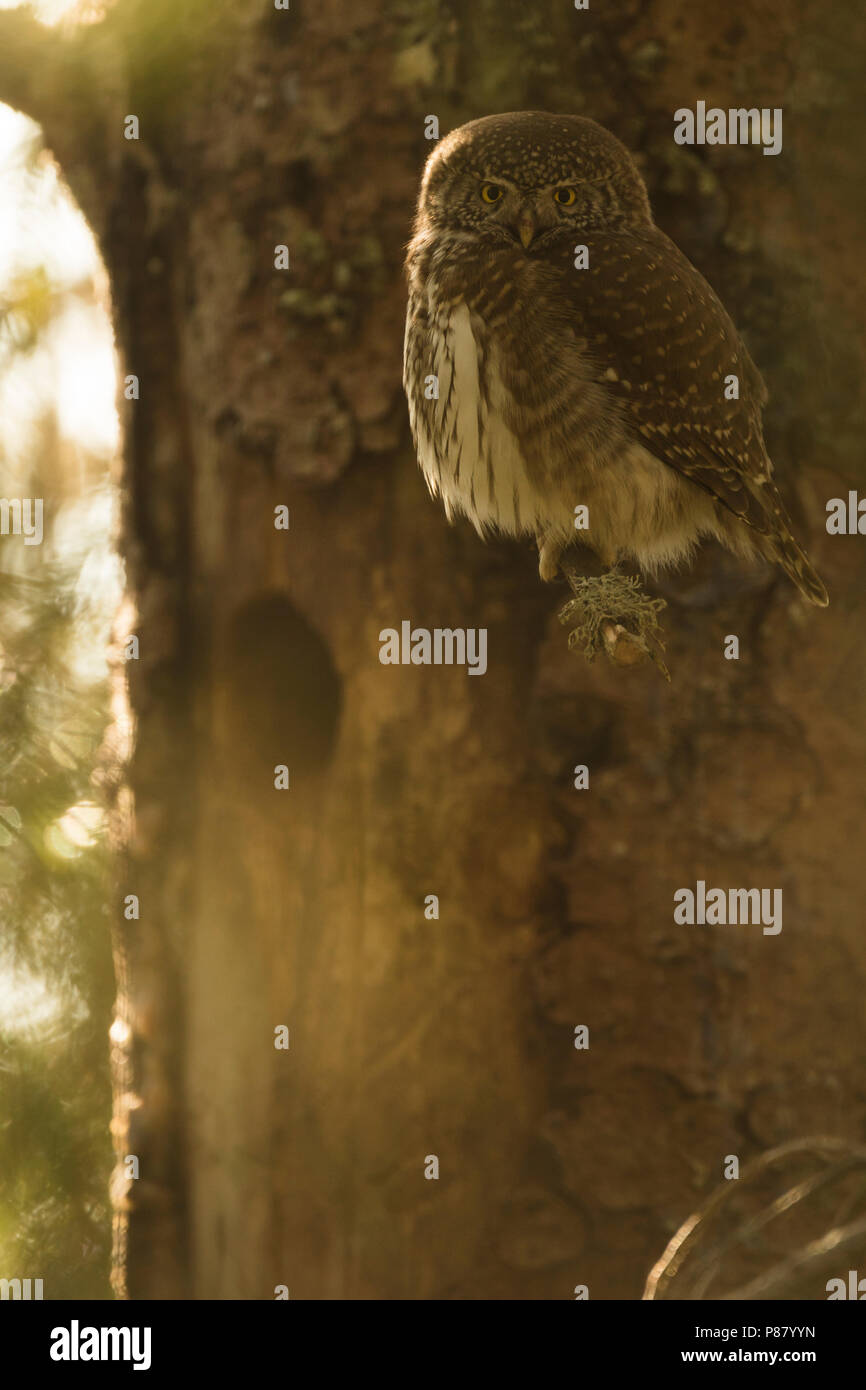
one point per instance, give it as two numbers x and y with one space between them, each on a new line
463 420
505 421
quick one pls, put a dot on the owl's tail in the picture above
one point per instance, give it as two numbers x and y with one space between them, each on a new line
796 564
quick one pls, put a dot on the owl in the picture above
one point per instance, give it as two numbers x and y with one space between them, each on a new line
563 360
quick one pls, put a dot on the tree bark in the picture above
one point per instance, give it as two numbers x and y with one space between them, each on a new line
412 1037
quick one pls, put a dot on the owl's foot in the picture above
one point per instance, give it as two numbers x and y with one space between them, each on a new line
551 549
549 553
613 614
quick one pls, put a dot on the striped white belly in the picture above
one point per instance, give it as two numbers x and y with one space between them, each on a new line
469 456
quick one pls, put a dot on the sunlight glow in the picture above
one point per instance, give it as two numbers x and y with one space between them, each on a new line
52 12
59 431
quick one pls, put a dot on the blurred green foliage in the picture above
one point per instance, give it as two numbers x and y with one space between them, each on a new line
56 978
56 986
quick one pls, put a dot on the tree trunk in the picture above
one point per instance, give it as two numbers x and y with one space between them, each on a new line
413 1036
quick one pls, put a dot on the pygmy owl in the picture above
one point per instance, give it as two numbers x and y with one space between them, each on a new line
561 352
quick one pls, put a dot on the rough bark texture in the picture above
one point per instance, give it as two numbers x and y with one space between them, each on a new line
454 1037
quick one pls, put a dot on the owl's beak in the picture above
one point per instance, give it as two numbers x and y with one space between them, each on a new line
526 228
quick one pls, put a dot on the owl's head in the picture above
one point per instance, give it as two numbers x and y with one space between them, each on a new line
525 176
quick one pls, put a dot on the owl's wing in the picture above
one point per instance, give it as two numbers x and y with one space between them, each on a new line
662 344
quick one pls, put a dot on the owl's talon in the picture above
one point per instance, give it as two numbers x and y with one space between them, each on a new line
549 553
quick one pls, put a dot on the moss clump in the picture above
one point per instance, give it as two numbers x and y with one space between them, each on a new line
611 613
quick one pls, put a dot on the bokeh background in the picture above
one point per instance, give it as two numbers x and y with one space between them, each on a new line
58 437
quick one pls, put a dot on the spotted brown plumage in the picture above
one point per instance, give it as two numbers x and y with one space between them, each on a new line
536 387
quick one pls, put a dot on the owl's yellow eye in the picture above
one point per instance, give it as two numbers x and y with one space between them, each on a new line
492 192
564 196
